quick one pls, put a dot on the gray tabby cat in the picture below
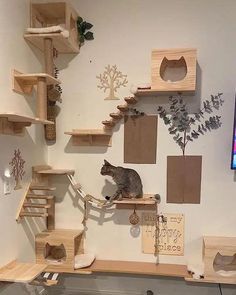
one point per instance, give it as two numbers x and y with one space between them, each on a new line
129 184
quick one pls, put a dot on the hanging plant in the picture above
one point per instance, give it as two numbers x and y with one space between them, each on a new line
83 30
185 127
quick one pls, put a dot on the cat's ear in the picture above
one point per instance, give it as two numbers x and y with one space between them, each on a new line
106 162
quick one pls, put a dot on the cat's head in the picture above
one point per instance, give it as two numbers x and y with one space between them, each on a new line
107 168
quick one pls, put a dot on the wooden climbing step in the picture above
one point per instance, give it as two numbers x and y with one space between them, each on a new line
131 100
38 197
116 116
33 214
109 123
35 205
123 108
42 188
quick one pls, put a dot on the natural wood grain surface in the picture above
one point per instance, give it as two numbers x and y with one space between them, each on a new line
57 171
78 132
132 267
137 201
20 272
33 78
16 118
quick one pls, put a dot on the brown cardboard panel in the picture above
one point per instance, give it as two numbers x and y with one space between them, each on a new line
184 179
140 139
193 172
175 179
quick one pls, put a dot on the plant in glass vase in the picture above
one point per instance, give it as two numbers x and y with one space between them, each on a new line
184 173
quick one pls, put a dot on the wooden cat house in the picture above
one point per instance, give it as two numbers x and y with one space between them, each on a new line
219 256
173 70
70 243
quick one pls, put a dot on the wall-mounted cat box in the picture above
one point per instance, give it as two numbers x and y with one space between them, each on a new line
219 256
58 248
173 70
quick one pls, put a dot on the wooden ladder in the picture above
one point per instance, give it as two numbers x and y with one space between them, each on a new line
38 201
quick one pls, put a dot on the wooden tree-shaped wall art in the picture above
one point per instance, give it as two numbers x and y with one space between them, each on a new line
17 164
111 79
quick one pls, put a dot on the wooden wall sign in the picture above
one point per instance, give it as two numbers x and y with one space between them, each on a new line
140 139
171 234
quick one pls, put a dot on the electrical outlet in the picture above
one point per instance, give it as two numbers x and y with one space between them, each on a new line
6 186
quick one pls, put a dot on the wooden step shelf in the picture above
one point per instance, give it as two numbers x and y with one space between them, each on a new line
90 137
14 124
116 116
123 108
109 123
18 272
35 205
24 83
148 202
33 214
131 100
60 43
57 172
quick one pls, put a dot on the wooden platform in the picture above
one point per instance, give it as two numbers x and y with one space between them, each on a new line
57 172
20 272
148 202
62 44
158 92
17 118
135 268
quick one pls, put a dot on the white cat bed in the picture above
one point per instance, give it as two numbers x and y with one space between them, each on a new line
84 260
49 30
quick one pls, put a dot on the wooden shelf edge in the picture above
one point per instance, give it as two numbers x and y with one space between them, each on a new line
61 43
224 280
57 171
156 92
18 272
129 267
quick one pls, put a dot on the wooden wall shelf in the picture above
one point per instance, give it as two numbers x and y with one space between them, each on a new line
208 281
148 202
56 172
24 83
131 267
158 92
90 137
14 124
17 272
61 43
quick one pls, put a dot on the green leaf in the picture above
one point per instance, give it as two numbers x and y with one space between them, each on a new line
88 26
79 20
81 39
89 36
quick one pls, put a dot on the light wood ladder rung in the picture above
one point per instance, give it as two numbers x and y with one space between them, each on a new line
35 205
33 214
42 188
39 197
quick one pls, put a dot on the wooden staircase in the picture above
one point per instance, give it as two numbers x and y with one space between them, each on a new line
38 201
117 116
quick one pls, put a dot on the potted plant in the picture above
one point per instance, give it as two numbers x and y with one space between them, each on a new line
184 172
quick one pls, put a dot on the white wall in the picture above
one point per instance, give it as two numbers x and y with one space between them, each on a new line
17 240
125 33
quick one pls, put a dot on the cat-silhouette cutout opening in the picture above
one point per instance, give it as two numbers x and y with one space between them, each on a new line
55 254
225 263
174 70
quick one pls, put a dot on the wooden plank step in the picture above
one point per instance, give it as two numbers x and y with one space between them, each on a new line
123 108
116 116
131 100
33 214
109 123
20 272
42 188
35 205
39 197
